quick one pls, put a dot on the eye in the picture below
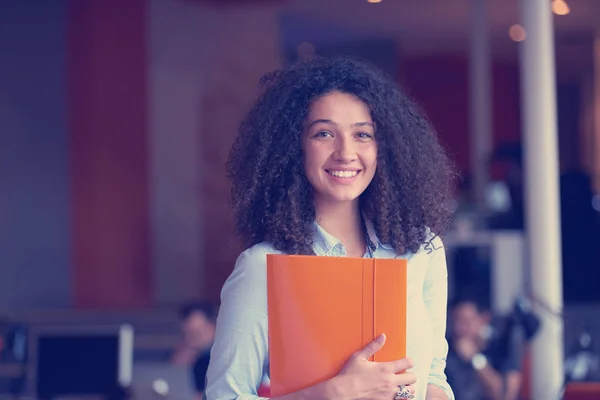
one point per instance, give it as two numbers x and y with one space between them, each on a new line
364 135
323 134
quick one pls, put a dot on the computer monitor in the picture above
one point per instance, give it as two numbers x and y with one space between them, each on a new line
81 361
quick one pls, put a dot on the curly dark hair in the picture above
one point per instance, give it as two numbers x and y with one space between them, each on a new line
271 195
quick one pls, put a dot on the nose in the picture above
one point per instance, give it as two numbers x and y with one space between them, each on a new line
345 150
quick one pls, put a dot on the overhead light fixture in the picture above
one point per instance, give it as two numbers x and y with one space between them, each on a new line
374 1
560 7
517 33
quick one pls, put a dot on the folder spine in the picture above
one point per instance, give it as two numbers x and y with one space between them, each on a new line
390 317
368 297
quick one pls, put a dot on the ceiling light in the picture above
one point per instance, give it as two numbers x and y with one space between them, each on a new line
517 33
374 1
560 7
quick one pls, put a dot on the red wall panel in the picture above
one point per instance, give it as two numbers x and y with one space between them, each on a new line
108 153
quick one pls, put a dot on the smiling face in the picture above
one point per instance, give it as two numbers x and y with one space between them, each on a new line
340 152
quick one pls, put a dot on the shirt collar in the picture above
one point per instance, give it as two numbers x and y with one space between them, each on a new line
324 242
373 236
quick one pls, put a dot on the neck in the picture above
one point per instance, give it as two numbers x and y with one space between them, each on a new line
343 221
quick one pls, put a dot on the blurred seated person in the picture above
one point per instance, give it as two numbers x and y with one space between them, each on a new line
484 358
198 326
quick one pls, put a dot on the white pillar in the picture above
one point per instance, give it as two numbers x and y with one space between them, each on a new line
542 200
480 100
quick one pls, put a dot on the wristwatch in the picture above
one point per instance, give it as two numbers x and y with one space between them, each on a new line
479 361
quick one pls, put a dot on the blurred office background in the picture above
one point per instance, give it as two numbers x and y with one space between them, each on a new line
116 119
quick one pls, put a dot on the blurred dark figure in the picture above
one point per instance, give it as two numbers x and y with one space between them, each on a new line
580 238
198 325
506 166
485 355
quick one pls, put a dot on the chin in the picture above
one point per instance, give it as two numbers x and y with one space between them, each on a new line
339 193
338 197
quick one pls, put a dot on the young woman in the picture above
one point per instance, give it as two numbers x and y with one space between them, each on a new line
335 160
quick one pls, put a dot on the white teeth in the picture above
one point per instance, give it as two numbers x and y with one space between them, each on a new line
344 174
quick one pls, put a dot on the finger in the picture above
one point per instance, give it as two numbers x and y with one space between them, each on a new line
400 365
406 379
372 347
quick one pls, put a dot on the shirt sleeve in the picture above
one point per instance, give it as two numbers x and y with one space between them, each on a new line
435 294
239 355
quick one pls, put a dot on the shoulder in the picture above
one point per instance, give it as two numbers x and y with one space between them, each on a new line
255 256
430 257
251 263
435 252
432 244
246 286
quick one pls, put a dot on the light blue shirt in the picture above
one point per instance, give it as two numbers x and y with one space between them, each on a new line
240 353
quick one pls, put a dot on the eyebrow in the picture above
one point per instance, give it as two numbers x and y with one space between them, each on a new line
330 122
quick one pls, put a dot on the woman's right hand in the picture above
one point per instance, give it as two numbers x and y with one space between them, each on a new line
361 379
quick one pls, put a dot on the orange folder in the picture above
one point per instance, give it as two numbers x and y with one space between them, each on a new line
323 309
